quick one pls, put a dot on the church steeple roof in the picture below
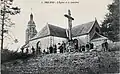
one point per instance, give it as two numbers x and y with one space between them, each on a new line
31 22
31 16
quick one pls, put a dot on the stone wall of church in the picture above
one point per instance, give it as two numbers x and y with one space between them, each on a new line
45 42
98 42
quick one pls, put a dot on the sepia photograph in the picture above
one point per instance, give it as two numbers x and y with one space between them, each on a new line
60 36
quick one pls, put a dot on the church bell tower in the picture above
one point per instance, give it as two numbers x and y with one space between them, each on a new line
31 29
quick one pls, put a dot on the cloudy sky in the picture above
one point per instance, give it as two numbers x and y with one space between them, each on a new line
84 11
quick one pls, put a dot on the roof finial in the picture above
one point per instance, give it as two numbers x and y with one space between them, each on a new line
95 19
31 15
31 9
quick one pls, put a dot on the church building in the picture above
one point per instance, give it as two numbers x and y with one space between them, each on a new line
51 35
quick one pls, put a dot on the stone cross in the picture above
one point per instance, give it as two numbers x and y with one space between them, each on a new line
69 24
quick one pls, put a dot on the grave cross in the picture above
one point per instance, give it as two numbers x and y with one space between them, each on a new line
69 24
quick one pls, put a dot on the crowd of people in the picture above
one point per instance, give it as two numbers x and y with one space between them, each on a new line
61 48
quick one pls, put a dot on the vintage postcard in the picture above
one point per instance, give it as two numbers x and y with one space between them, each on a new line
60 36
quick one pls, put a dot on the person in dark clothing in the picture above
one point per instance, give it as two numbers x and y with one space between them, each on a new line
44 52
61 49
83 48
22 50
106 45
63 45
26 50
51 49
33 50
76 44
91 45
38 50
87 46
55 48
103 45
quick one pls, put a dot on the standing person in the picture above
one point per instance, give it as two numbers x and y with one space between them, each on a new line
51 49
44 52
55 48
33 50
103 47
64 46
39 50
76 45
91 45
61 49
87 46
22 50
106 45
82 48
26 50
58 48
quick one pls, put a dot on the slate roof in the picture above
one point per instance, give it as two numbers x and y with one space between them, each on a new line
82 29
51 30
57 31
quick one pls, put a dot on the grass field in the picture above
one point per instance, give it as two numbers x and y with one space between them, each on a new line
95 62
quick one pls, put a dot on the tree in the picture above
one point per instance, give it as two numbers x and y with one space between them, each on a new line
6 9
110 25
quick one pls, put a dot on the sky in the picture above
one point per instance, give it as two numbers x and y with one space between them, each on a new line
43 13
